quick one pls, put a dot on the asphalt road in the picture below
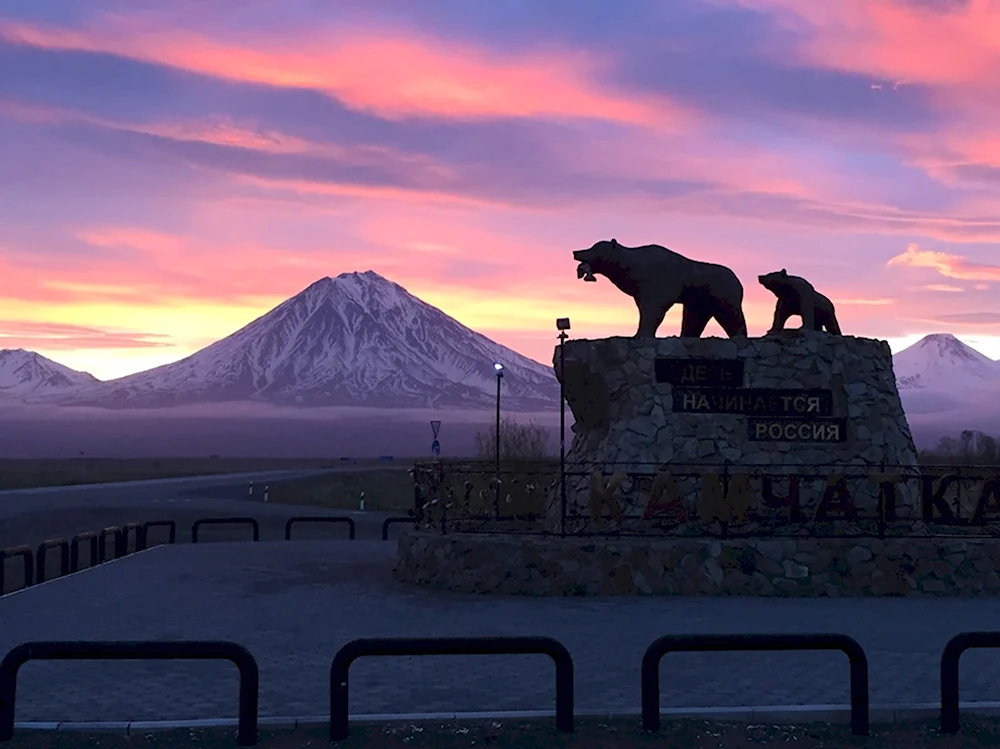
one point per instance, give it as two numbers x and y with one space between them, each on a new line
27 516
233 486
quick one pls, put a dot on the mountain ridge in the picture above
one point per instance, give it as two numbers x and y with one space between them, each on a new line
354 340
361 340
26 373
940 361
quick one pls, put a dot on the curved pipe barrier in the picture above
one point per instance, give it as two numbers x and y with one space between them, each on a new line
700 643
135 650
128 528
40 555
393 521
25 553
115 531
949 672
318 519
142 536
224 521
449 646
74 550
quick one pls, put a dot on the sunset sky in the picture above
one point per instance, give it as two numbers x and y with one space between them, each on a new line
171 170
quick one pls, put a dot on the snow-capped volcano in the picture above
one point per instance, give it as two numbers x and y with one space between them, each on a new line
942 362
354 340
26 373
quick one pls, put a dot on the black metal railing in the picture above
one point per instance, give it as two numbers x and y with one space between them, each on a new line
319 519
133 530
142 536
196 525
718 499
41 554
688 643
393 521
564 712
404 646
134 650
74 550
26 554
949 672
35 560
115 533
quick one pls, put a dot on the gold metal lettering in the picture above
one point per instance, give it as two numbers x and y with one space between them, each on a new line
602 495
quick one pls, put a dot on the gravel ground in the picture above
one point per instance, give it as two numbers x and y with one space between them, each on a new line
591 733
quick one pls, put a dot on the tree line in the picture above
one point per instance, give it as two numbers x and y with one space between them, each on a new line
530 441
971 447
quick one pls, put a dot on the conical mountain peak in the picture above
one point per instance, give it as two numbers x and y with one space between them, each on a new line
942 361
357 339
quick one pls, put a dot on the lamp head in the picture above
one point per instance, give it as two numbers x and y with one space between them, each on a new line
562 323
498 367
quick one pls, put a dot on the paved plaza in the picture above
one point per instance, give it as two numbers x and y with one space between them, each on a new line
293 604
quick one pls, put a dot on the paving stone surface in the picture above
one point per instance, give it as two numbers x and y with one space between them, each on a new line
294 604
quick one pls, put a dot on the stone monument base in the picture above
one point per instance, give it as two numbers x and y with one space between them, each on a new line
800 402
803 567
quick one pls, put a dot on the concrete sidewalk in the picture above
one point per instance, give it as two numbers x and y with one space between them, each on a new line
294 604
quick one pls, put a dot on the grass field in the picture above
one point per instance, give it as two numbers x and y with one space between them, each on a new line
31 473
27 474
389 490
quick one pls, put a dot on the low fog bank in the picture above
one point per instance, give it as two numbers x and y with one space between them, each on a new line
251 430
245 431
928 429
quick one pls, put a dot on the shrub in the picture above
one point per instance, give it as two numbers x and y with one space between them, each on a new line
971 448
529 441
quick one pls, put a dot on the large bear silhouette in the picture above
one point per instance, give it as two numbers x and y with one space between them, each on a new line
796 296
658 278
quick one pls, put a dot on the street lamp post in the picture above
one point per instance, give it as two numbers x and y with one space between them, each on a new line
562 325
496 507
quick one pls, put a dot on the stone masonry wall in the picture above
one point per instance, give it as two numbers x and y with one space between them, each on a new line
624 418
546 566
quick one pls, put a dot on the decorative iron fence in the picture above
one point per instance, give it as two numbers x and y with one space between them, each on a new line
725 500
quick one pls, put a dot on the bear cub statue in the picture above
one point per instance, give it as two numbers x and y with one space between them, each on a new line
796 296
658 278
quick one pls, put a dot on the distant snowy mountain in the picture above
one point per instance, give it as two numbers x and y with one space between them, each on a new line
946 386
354 340
26 373
941 362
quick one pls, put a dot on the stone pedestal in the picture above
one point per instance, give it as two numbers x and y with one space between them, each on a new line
801 567
798 402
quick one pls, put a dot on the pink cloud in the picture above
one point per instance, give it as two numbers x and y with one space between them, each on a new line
943 287
862 302
946 264
375 71
896 41
61 336
739 179
283 189
225 131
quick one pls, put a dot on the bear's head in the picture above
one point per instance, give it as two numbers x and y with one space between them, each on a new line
774 281
597 259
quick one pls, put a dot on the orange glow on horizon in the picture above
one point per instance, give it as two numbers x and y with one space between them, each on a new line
176 175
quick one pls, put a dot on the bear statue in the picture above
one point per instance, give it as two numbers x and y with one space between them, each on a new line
658 278
796 296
